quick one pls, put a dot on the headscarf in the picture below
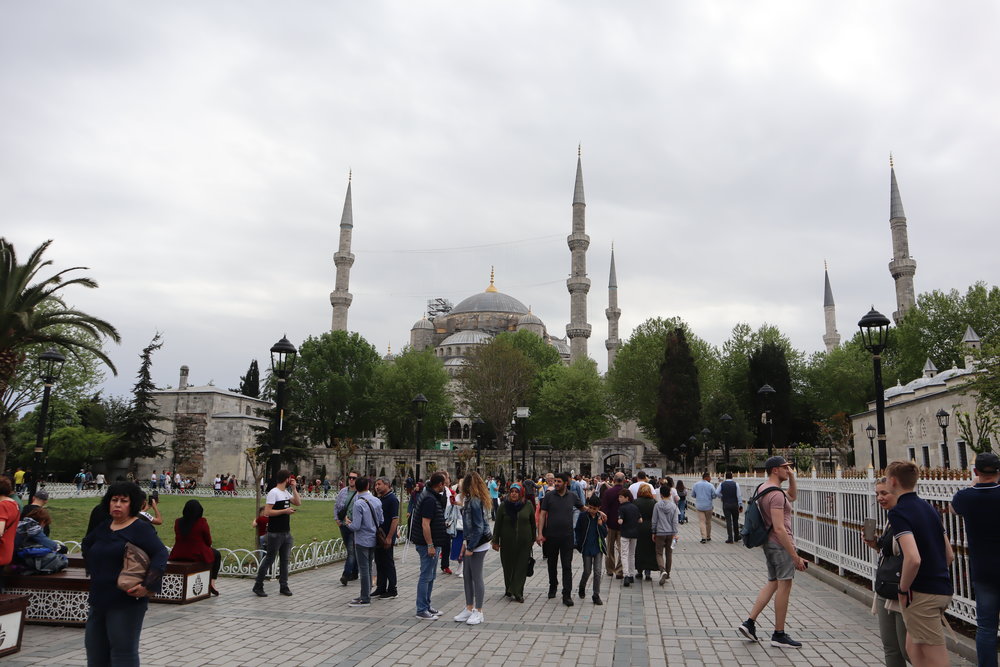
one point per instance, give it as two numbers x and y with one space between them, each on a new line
192 512
512 509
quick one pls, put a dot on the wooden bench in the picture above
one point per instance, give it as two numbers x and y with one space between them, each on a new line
12 616
61 598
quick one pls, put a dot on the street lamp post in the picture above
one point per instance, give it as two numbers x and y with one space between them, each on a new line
50 364
522 416
684 458
725 419
705 435
766 393
477 429
533 443
942 419
419 403
874 335
870 431
282 363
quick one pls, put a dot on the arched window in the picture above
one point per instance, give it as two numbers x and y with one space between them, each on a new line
455 431
449 351
465 432
923 427
248 411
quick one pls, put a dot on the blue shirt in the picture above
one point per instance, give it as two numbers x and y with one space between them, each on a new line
390 511
979 505
703 494
913 515
494 489
365 516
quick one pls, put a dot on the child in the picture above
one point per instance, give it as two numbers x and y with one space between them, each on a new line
590 541
664 529
629 519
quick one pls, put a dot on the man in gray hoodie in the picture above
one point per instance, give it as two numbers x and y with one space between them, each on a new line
365 518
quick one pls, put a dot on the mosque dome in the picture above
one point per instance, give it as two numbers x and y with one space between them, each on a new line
530 318
490 301
422 323
472 337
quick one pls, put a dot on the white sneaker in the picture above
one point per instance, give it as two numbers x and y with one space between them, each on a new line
458 571
463 616
475 618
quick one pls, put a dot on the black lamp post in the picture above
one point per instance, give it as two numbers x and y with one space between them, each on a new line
282 363
874 335
533 443
766 393
684 458
870 430
705 435
725 419
419 403
50 365
477 430
512 441
522 417
942 419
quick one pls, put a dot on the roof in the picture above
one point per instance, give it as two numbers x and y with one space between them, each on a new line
562 347
455 361
578 188
530 318
895 201
422 323
970 336
490 302
471 337
347 217
827 292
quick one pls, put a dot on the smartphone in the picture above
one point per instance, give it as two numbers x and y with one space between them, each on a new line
868 530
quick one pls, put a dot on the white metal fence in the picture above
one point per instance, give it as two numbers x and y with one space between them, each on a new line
830 512
60 490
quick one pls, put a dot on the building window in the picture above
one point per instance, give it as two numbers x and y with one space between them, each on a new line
909 430
248 411
945 459
923 427
911 454
455 431
963 456
465 432
926 450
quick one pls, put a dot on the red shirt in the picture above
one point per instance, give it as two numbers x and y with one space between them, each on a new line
261 524
196 545
11 513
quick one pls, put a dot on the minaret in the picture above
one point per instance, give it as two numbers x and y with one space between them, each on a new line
578 284
902 267
831 338
613 312
340 298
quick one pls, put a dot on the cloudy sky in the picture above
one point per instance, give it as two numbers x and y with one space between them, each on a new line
194 155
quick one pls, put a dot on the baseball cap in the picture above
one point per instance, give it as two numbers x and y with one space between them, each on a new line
775 462
42 494
987 462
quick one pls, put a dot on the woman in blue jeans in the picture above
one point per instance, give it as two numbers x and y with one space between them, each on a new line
477 503
115 618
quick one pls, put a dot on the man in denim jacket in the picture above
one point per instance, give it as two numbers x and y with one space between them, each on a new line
365 518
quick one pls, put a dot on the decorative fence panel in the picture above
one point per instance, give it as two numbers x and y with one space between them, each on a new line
829 513
59 490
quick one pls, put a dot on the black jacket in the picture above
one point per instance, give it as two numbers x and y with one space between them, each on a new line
439 534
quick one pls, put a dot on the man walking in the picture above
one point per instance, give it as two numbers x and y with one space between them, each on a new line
979 505
364 521
278 508
703 494
428 535
925 587
732 505
555 534
385 566
342 508
494 490
779 552
609 507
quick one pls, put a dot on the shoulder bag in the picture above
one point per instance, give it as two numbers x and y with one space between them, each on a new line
890 568
135 568
381 539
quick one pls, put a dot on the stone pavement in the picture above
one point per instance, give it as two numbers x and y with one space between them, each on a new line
690 621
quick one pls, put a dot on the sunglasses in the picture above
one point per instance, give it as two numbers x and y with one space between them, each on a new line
352 478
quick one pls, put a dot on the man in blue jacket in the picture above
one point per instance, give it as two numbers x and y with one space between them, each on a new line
703 494
365 518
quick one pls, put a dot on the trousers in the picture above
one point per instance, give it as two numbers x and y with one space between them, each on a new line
556 549
112 635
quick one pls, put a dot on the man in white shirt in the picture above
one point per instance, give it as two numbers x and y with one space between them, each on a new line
641 478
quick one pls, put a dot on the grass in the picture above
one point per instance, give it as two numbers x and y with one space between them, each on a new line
228 518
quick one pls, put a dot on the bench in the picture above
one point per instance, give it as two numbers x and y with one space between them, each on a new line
12 612
61 598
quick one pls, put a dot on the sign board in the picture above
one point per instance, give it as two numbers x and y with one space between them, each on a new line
444 444
523 413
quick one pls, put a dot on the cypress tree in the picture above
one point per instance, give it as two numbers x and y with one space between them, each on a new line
139 428
678 404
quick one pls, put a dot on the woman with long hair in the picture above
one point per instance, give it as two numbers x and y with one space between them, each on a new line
890 621
476 505
193 542
682 502
513 535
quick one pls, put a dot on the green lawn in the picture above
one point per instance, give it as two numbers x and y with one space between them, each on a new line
229 519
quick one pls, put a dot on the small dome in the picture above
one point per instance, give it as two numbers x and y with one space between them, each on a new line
473 337
454 362
530 318
561 346
422 323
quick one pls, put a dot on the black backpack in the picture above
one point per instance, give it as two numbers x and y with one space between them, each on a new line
755 532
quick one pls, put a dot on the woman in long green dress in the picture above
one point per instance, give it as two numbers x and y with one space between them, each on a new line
645 552
513 536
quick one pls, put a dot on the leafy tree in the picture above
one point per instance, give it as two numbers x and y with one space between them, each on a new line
933 329
541 354
572 409
332 391
73 447
735 362
139 430
840 380
979 430
494 381
632 383
678 408
768 365
34 315
409 374
250 383
736 434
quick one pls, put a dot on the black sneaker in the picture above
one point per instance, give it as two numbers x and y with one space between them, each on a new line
286 591
782 640
388 596
552 593
582 592
748 629
259 591
568 601
597 600
343 580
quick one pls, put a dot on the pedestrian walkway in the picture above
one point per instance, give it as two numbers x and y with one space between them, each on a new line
690 621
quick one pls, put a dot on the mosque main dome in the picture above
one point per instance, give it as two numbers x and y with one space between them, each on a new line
490 302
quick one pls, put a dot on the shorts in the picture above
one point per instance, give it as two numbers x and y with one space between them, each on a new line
780 566
924 618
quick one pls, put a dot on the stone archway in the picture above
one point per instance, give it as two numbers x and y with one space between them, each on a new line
617 462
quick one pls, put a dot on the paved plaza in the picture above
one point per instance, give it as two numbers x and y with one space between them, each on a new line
690 621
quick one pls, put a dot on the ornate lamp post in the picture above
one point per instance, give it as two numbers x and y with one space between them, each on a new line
766 393
282 363
870 431
512 441
725 419
50 365
477 430
705 435
874 335
419 403
942 419
522 416
684 455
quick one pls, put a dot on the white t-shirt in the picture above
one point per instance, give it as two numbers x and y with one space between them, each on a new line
635 488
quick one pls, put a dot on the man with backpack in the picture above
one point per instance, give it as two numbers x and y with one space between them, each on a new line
775 507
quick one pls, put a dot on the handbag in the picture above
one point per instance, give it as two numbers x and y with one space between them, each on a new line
887 576
381 539
135 568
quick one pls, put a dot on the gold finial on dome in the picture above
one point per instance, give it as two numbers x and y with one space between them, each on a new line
492 287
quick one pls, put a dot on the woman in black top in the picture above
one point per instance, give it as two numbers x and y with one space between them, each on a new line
115 617
629 519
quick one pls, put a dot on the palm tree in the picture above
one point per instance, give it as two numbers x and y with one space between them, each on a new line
32 311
